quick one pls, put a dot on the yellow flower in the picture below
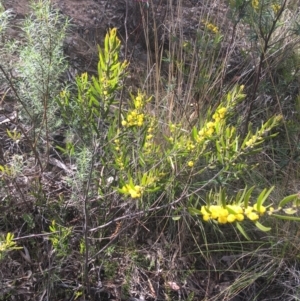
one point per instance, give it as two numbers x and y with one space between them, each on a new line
134 113
276 8
210 124
222 111
231 218
134 118
261 210
138 102
189 145
124 122
223 212
201 132
129 118
211 27
204 211
141 117
253 216
63 93
209 132
173 127
248 210
237 209
222 219
251 141
190 163
135 192
271 210
220 114
206 217
147 144
240 217
255 4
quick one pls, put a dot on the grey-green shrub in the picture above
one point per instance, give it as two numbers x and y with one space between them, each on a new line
40 66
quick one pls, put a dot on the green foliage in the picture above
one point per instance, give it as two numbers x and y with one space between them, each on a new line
88 112
41 64
95 98
213 146
60 239
7 244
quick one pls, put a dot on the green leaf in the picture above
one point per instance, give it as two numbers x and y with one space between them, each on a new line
288 199
176 218
262 227
242 231
194 133
247 196
194 211
218 147
9 237
106 42
287 217
222 197
263 196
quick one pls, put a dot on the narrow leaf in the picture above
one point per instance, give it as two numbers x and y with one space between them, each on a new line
242 231
287 217
247 196
262 227
262 197
288 199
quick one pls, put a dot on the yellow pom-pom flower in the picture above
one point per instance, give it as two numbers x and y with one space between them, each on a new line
253 216
261 210
190 163
231 218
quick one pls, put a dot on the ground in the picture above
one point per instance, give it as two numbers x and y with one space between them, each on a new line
26 273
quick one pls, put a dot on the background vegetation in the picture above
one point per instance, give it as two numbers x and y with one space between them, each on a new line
182 185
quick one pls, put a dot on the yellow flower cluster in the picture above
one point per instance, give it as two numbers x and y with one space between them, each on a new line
206 131
254 139
119 159
231 213
119 162
105 85
189 145
117 144
135 191
149 144
211 27
209 128
134 118
255 4
276 8
174 127
220 114
138 102
148 141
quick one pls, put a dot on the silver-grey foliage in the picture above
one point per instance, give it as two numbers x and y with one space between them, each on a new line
41 64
